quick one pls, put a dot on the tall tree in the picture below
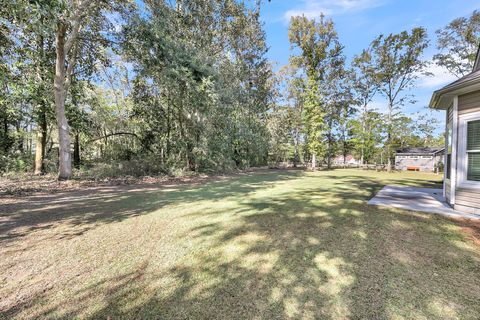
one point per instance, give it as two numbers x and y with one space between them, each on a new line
203 79
336 103
367 135
345 115
458 43
73 19
365 86
318 44
294 95
397 60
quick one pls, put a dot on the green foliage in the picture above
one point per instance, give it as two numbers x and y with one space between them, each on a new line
458 44
397 59
168 87
313 117
201 106
182 86
321 59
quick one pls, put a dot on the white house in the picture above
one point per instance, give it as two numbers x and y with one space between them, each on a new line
461 100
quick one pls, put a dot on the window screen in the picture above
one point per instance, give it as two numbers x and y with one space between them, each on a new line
473 150
449 147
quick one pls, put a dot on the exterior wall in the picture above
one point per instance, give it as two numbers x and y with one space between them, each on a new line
447 191
467 199
425 164
438 158
469 103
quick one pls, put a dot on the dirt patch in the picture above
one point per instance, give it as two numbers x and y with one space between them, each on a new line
471 228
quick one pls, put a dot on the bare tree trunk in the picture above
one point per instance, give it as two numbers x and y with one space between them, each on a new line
41 142
330 146
65 164
76 151
296 156
5 134
20 139
314 162
41 134
364 132
41 139
389 135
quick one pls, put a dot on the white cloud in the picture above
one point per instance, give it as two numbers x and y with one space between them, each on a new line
439 78
313 8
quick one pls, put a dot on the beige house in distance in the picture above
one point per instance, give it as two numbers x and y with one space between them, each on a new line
419 159
461 100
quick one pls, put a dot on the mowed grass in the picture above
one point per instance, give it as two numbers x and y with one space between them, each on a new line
267 245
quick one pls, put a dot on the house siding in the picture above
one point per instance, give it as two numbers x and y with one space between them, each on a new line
423 164
467 199
469 103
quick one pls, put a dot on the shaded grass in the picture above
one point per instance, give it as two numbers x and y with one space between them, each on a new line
272 245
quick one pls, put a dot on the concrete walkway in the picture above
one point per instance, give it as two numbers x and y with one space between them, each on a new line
417 199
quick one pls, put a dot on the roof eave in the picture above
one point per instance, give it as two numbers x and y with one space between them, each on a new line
431 153
441 99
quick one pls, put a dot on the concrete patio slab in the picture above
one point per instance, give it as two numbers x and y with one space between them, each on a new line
417 199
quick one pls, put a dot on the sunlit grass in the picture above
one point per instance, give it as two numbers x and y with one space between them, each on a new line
285 244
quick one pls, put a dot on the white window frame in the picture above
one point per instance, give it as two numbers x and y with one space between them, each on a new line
462 150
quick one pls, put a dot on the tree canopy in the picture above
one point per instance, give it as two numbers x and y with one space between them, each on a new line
119 87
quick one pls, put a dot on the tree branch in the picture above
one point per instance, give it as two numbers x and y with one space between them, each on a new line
114 134
76 23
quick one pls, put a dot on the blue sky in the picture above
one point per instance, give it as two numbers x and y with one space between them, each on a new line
358 22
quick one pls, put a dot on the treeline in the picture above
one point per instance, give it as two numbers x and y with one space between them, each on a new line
325 106
155 87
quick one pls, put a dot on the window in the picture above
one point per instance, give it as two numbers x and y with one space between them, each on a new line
473 150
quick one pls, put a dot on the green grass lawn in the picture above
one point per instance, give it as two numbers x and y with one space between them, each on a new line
267 245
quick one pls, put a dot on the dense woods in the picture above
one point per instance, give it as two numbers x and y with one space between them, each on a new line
158 87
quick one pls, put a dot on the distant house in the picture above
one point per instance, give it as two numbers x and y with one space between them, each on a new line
419 159
461 100
349 160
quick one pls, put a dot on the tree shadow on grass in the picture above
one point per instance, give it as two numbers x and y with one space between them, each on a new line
79 211
317 252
